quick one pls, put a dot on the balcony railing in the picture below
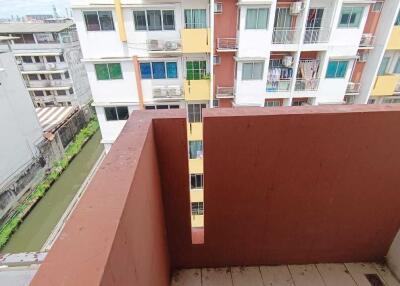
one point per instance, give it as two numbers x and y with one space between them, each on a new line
225 92
284 36
367 40
279 85
353 88
316 35
48 83
226 44
307 84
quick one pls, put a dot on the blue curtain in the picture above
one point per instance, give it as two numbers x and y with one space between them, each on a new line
158 70
172 70
145 70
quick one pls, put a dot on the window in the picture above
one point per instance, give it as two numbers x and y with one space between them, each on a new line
217 7
66 75
62 58
116 113
154 20
33 77
48 92
99 20
257 18
217 60
159 70
272 103
337 69
51 59
196 149
27 59
350 17
384 65
38 93
197 208
196 181
377 7
46 38
61 92
195 18
397 22
24 39
252 71
55 76
108 71
195 112
42 76
397 67
216 102
195 70
162 106
71 90
37 59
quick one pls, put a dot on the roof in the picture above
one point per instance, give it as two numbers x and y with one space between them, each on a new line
34 27
50 118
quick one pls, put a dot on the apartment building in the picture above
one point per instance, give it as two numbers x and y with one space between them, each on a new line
288 53
49 58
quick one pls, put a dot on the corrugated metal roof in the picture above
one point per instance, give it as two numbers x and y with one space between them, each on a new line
50 118
34 27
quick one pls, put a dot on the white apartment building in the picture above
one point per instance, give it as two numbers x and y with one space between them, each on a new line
49 58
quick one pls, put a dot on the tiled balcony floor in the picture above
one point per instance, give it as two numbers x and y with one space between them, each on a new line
348 274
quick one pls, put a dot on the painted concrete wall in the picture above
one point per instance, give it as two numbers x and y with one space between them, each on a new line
19 125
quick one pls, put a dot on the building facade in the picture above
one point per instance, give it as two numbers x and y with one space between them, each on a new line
49 58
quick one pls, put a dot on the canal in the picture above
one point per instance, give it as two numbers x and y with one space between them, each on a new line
38 225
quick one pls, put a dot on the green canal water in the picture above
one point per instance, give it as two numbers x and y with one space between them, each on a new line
38 225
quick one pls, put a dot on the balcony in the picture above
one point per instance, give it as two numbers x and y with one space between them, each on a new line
279 85
167 93
196 41
227 45
385 85
42 66
353 88
394 40
283 36
367 41
195 131
316 35
307 84
48 83
225 92
197 89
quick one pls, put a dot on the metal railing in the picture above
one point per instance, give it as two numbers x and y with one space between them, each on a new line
279 85
316 35
284 36
353 87
307 84
367 40
225 92
226 44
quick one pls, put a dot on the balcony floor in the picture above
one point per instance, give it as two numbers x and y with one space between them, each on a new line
348 274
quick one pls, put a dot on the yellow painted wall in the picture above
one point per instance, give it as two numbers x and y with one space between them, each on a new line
197 220
195 131
120 20
394 41
195 166
196 195
385 85
196 40
197 89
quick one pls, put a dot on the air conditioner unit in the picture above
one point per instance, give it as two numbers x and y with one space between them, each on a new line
296 8
157 92
154 45
171 46
174 91
287 61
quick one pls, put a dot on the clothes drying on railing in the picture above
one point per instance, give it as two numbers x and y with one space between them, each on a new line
275 75
308 70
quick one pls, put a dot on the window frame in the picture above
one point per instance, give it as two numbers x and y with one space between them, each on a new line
246 23
197 208
197 155
347 25
252 70
162 11
218 7
201 71
198 180
98 20
108 71
150 63
193 24
373 6
195 112
116 108
337 69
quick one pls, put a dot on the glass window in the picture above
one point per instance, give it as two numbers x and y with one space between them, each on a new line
51 59
172 70
24 39
252 71
37 59
66 74
397 23
38 93
33 77
196 149
350 17
168 20
99 20
397 67
158 70
154 20
71 90
195 70
377 7
218 7
195 18
145 70
56 76
27 59
384 65
257 18
195 112
272 103
337 69
108 71
140 20
62 58
196 181
61 92
197 208
116 113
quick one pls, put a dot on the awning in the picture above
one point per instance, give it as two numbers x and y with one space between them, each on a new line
51 118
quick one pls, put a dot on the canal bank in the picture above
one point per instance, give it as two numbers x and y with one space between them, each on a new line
38 225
